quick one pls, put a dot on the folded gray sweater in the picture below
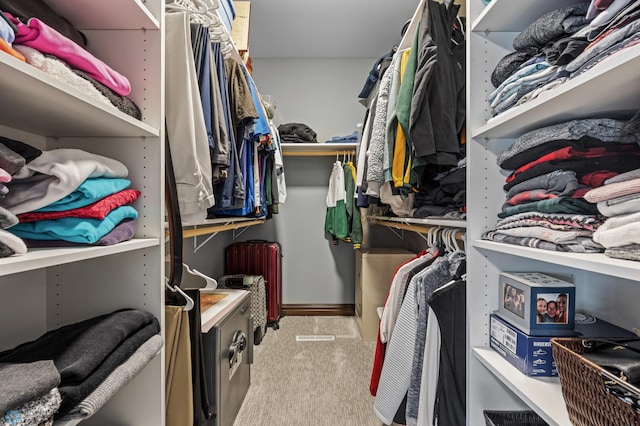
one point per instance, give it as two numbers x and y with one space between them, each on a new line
20 383
553 25
78 349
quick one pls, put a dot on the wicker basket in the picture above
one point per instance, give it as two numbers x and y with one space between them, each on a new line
583 389
513 418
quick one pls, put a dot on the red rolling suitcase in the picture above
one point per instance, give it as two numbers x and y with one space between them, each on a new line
260 258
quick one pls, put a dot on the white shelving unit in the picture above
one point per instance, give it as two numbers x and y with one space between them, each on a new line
49 288
604 287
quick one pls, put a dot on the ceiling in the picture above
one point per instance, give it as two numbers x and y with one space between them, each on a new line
327 28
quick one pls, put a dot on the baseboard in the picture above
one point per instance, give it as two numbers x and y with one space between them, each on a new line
302 310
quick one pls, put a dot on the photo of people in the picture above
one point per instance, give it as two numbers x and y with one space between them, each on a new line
514 300
552 308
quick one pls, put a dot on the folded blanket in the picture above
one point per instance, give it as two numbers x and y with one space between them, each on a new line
603 129
297 131
74 229
543 233
89 191
123 231
11 244
510 63
613 190
62 72
119 377
558 182
40 36
78 349
54 175
620 206
631 174
98 210
123 103
552 205
630 252
22 382
34 412
553 25
575 221
73 393
619 231
580 245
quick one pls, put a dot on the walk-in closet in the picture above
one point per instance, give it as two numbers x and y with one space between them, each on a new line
287 212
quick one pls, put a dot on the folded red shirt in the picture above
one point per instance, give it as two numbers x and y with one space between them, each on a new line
98 210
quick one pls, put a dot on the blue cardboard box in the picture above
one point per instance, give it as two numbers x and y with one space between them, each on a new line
532 354
529 354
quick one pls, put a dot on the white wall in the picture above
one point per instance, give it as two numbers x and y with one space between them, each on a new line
321 93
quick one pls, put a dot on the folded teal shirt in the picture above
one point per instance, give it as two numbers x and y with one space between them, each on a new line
73 229
90 191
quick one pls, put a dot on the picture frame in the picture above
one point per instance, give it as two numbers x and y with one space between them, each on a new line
536 303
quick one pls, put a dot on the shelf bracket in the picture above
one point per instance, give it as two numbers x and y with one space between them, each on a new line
197 246
399 232
213 230
237 232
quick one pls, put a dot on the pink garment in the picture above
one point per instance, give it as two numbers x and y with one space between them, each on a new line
4 176
613 190
40 36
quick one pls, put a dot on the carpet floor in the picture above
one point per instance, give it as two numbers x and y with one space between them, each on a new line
317 383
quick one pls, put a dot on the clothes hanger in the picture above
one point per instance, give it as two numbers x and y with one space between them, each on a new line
211 284
198 10
190 303
431 237
454 243
191 6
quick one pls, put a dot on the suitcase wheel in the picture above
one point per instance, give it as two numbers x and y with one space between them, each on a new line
257 336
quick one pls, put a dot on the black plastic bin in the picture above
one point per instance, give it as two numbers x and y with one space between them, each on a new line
513 418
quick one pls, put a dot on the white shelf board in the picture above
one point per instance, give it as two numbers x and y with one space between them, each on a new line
451 223
592 262
38 103
542 394
312 147
515 16
45 257
111 15
611 88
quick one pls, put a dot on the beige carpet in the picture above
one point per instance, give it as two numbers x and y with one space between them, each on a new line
310 383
